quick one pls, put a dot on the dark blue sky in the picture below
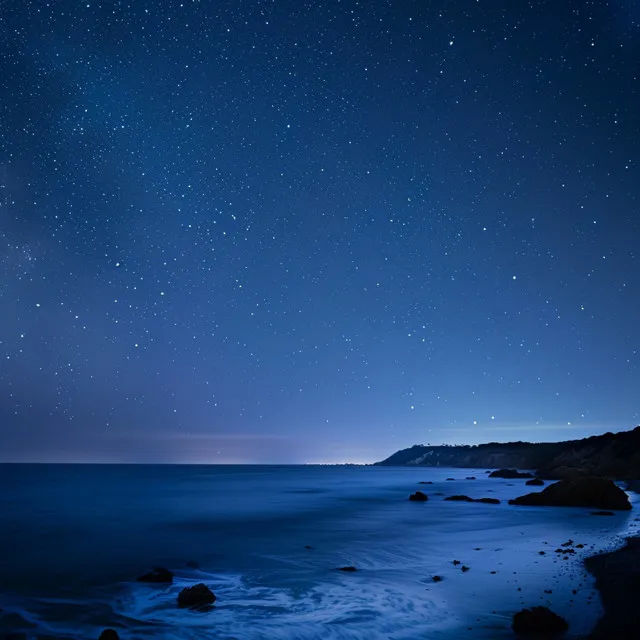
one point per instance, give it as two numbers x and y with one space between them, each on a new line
295 231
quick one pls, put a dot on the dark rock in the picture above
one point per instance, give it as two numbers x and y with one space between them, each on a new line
464 568
308 546
437 578
602 513
450 479
418 496
510 474
199 595
540 620
596 492
425 482
617 577
462 498
456 562
535 482
158 575
349 569
14 621
470 478
109 634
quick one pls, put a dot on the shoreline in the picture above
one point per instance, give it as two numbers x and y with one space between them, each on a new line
511 554
617 579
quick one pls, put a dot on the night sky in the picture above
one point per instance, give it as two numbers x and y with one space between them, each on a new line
316 231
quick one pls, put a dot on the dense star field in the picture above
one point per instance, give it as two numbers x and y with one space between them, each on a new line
315 231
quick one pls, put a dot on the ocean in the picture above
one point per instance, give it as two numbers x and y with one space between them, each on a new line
269 540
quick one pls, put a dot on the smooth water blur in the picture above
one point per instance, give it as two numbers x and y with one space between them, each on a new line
73 539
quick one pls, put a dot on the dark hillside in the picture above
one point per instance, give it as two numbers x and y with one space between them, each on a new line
611 454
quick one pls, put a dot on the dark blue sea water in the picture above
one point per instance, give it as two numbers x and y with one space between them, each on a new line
73 539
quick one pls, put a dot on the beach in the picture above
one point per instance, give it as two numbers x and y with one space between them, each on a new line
270 541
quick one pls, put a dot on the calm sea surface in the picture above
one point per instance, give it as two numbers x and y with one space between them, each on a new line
73 539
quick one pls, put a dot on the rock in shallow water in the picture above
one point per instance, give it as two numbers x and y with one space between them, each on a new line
158 575
109 634
600 493
199 595
535 482
510 474
538 620
418 496
468 499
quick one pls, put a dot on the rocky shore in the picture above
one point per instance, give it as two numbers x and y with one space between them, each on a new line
617 577
613 455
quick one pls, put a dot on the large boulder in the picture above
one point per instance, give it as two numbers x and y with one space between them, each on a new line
510 474
199 595
538 620
159 575
418 496
600 493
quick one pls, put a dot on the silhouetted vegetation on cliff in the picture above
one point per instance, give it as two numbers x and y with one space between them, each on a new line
611 454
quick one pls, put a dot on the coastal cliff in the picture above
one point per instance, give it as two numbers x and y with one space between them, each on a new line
611 454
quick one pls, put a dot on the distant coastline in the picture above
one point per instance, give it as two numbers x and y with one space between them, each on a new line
614 455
